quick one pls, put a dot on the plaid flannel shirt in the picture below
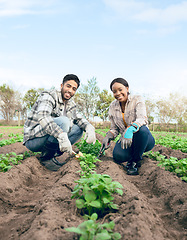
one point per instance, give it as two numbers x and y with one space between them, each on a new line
48 106
135 111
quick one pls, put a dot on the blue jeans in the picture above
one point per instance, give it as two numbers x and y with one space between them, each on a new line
74 134
142 141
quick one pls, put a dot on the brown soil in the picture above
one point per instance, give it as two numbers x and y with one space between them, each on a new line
36 203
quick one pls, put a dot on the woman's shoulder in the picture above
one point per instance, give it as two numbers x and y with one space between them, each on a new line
136 98
114 103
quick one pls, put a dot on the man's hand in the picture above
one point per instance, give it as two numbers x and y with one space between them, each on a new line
126 138
64 143
90 134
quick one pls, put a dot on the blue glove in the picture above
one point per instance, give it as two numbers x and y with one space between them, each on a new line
126 138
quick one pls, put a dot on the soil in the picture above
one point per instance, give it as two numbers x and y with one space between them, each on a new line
36 203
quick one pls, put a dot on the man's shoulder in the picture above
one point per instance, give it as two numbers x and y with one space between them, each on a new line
52 92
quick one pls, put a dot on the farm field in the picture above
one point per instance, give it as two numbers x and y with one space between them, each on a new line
36 203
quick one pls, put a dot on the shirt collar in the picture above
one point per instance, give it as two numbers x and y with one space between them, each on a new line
117 104
61 100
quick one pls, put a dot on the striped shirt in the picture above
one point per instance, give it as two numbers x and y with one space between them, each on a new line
48 106
135 111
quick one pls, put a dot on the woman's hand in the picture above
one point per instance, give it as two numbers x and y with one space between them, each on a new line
126 138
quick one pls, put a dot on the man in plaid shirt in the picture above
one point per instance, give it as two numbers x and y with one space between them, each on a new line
53 124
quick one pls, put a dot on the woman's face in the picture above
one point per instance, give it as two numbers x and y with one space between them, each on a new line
120 92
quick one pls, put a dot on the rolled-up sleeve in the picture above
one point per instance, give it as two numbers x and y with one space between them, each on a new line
141 115
113 127
46 104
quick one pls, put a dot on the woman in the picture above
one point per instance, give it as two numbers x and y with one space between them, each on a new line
127 115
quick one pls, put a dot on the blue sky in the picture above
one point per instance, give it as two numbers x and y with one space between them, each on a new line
143 41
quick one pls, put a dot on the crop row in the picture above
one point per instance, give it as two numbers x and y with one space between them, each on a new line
171 140
171 164
9 159
14 138
94 194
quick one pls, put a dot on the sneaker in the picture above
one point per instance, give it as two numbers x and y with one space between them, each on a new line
129 164
132 169
52 164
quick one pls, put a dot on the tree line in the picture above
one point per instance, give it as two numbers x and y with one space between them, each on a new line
93 102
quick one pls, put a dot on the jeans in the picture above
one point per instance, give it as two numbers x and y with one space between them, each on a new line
142 141
74 134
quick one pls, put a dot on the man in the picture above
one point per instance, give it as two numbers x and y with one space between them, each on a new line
53 124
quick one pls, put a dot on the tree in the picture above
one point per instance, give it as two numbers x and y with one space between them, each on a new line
173 108
103 104
7 102
86 98
179 107
31 96
150 109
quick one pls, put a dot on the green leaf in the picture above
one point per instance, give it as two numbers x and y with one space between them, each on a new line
74 229
102 236
96 204
119 191
90 196
80 203
94 216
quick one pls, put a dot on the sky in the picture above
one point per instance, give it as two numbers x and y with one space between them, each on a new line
143 41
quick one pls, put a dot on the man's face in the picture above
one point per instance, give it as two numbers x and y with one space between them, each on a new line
68 89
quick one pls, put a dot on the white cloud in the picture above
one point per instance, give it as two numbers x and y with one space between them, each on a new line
22 7
170 15
143 11
26 80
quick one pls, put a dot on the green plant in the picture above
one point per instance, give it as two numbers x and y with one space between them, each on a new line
9 159
171 164
91 230
16 138
87 163
95 194
171 140
91 148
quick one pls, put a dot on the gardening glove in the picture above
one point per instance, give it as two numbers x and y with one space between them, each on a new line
90 134
106 141
126 138
64 143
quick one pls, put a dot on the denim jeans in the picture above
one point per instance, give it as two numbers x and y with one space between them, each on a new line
142 141
74 134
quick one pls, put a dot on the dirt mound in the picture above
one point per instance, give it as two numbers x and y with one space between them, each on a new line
36 203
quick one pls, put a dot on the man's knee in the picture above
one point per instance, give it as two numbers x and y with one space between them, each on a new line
63 122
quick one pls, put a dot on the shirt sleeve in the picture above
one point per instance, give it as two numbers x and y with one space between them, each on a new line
113 128
141 115
46 104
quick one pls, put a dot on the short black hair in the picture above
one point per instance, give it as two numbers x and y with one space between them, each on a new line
119 80
69 77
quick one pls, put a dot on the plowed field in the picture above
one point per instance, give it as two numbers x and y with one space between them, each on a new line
36 204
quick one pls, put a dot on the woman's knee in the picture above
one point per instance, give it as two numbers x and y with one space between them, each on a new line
120 155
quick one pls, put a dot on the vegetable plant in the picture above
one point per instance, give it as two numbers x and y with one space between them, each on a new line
9 159
91 148
95 194
87 163
91 230
171 164
16 138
